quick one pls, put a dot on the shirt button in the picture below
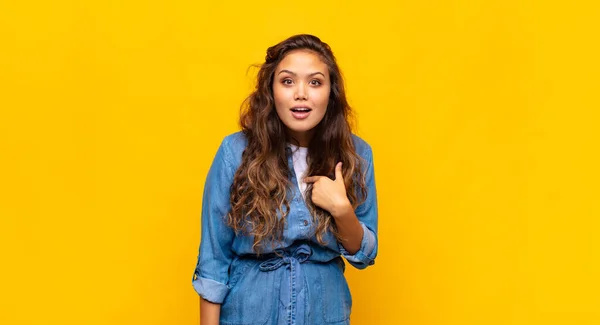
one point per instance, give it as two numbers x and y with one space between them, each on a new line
305 222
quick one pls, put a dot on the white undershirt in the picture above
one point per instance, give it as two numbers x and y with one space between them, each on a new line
299 155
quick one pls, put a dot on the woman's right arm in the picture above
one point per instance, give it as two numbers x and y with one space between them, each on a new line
211 274
209 312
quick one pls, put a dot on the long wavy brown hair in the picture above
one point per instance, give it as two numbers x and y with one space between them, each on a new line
261 186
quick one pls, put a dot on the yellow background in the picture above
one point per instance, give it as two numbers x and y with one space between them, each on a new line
483 117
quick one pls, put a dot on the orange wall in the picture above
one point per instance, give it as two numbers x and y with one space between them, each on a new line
483 116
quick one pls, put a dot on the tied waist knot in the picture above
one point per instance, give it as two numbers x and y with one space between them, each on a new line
300 255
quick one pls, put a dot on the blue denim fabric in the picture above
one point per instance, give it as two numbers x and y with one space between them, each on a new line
299 281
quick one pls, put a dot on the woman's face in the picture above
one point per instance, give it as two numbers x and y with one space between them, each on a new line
301 89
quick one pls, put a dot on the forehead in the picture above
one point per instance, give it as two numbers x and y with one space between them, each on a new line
302 61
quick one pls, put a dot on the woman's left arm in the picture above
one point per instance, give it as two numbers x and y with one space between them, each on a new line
358 228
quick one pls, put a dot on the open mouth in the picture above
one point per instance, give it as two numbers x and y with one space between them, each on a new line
300 113
301 110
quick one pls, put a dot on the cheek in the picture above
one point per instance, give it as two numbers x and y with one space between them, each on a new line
279 98
281 94
322 99
276 93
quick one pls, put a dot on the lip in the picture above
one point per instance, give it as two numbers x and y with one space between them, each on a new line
300 115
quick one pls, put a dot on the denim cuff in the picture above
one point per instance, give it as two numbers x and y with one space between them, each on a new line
363 257
210 290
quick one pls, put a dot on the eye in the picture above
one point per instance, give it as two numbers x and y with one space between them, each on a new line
287 81
315 82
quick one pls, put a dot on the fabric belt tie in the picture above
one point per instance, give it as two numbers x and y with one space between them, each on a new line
301 254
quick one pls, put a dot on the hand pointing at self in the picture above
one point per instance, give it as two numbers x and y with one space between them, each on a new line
330 194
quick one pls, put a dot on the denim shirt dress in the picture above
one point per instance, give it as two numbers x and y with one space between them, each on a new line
304 283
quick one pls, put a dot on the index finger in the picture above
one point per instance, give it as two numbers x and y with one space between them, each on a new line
312 179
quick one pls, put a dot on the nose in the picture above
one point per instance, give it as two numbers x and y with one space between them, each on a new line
301 92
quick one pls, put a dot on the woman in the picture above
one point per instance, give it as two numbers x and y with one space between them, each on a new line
286 197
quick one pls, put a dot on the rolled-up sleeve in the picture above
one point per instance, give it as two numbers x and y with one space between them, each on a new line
211 274
367 216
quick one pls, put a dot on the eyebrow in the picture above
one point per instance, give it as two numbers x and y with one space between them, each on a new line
294 74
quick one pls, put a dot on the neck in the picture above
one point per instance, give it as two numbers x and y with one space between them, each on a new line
301 139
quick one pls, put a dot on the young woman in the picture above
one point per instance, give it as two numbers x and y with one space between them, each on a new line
286 197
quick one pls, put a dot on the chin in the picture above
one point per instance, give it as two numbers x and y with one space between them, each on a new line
303 128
